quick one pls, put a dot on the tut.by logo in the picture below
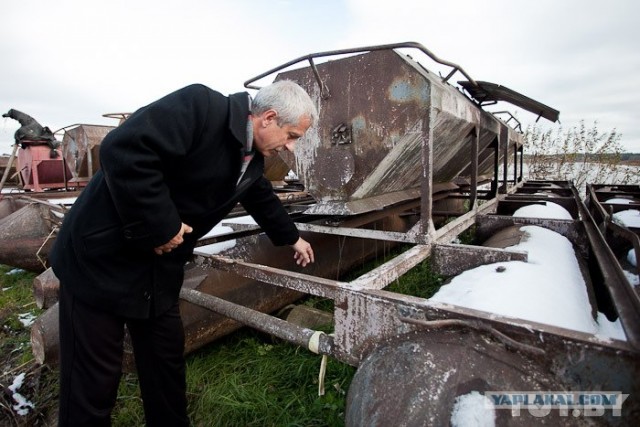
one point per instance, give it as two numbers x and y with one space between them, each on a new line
573 403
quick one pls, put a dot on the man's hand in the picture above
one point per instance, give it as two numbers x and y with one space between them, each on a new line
175 241
303 252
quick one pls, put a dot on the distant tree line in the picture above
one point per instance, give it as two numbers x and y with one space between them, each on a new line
630 157
625 158
580 154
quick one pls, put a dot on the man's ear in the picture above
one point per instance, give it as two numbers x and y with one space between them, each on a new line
268 117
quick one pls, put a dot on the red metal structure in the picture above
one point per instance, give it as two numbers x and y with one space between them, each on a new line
41 167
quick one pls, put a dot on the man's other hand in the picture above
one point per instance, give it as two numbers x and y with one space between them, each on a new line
303 252
175 241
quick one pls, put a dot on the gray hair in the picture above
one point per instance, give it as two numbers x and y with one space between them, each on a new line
288 99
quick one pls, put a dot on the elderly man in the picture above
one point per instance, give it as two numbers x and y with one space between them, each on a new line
168 174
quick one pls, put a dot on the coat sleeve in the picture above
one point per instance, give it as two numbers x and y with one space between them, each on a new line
264 206
136 159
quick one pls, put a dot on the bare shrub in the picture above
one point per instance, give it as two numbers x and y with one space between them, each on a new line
580 154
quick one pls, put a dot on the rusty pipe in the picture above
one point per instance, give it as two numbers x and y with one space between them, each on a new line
316 341
414 45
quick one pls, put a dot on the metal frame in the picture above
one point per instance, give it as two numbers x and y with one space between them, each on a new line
424 235
364 291
325 90
366 315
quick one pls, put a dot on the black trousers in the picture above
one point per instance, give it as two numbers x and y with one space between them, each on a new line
91 350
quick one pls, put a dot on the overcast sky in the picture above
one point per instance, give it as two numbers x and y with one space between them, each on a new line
70 61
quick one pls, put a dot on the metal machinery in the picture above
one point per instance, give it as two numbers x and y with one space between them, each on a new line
401 158
38 168
39 165
28 220
81 151
395 140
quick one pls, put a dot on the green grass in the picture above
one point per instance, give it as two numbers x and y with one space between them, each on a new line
418 282
245 379
256 382
250 379
40 383
16 302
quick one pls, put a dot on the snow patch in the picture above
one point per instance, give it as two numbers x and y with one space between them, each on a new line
223 228
631 257
628 218
473 409
22 404
14 271
549 210
619 201
27 319
548 289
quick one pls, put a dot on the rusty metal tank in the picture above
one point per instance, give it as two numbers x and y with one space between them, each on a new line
81 149
41 167
378 113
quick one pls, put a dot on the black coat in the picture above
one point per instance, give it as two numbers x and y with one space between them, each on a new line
175 160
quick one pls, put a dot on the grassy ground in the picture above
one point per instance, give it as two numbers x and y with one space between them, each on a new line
249 380
246 379
39 385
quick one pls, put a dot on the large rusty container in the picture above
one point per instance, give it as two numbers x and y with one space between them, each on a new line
378 113
81 145
81 149
41 167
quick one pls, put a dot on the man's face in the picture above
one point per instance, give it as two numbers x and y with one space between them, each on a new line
269 138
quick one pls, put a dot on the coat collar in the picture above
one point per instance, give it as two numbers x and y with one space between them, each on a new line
238 115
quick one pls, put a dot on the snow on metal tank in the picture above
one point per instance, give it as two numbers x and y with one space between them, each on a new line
382 110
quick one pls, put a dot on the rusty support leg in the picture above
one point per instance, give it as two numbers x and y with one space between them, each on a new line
504 142
520 176
475 144
426 186
515 164
496 168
